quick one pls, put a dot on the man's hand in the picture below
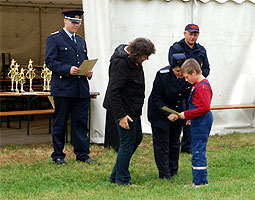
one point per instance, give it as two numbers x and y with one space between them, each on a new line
172 117
181 115
89 74
188 122
124 122
74 70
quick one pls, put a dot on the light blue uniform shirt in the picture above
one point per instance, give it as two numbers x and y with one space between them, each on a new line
70 35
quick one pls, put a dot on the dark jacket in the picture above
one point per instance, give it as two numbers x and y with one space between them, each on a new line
198 52
61 54
125 91
167 91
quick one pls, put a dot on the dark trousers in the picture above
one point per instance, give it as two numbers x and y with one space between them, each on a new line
129 141
78 108
166 144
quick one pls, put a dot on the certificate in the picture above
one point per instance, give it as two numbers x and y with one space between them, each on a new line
87 65
170 110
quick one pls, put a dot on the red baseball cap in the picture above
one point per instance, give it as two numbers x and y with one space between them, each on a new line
192 28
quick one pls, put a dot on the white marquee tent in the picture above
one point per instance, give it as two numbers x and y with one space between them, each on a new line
227 30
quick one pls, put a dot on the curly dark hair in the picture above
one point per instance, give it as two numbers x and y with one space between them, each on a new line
140 47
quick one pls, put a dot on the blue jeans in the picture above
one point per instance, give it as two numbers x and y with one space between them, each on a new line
129 141
200 130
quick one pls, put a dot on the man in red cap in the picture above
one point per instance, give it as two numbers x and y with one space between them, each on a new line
65 52
189 46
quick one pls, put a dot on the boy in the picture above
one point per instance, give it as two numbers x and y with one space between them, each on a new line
200 118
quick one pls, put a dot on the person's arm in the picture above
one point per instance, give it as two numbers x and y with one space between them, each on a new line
157 93
118 78
205 67
202 100
52 59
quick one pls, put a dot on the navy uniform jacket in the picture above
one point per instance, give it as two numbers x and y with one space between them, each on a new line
61 54
167 91
198 52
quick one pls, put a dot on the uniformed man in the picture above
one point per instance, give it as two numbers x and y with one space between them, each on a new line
191 49
65 51
169 89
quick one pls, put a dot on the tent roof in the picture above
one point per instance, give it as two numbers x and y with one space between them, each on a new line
44 3
79 2
224 1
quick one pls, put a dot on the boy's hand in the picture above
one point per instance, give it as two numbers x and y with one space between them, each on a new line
181 115
172 117
188 122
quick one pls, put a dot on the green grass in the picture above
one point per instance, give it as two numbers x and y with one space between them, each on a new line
27 172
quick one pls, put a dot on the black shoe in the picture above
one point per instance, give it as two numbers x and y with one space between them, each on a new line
60 161
90 161
188 151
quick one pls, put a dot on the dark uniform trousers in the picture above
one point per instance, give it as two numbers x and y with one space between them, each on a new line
166 145
78 107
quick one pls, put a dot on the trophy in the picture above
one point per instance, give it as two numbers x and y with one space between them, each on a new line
22 79
11 74
44 76
16 77
30 74
48 78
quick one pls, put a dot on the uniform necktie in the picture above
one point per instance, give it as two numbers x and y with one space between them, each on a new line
73 39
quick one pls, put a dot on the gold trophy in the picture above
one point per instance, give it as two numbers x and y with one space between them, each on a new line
48 78
44 76
16 77
30 74
11 74
22 80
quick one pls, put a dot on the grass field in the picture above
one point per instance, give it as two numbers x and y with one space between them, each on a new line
27 172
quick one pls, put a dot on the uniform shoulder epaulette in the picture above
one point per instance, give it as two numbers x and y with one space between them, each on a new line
79 35
55 33
165 70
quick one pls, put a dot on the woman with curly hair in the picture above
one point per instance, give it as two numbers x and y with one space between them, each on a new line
124 99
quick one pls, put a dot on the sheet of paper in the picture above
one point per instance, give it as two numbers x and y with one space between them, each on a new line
86 66
170 110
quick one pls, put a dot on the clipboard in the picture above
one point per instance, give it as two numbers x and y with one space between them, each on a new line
169 110
86 66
